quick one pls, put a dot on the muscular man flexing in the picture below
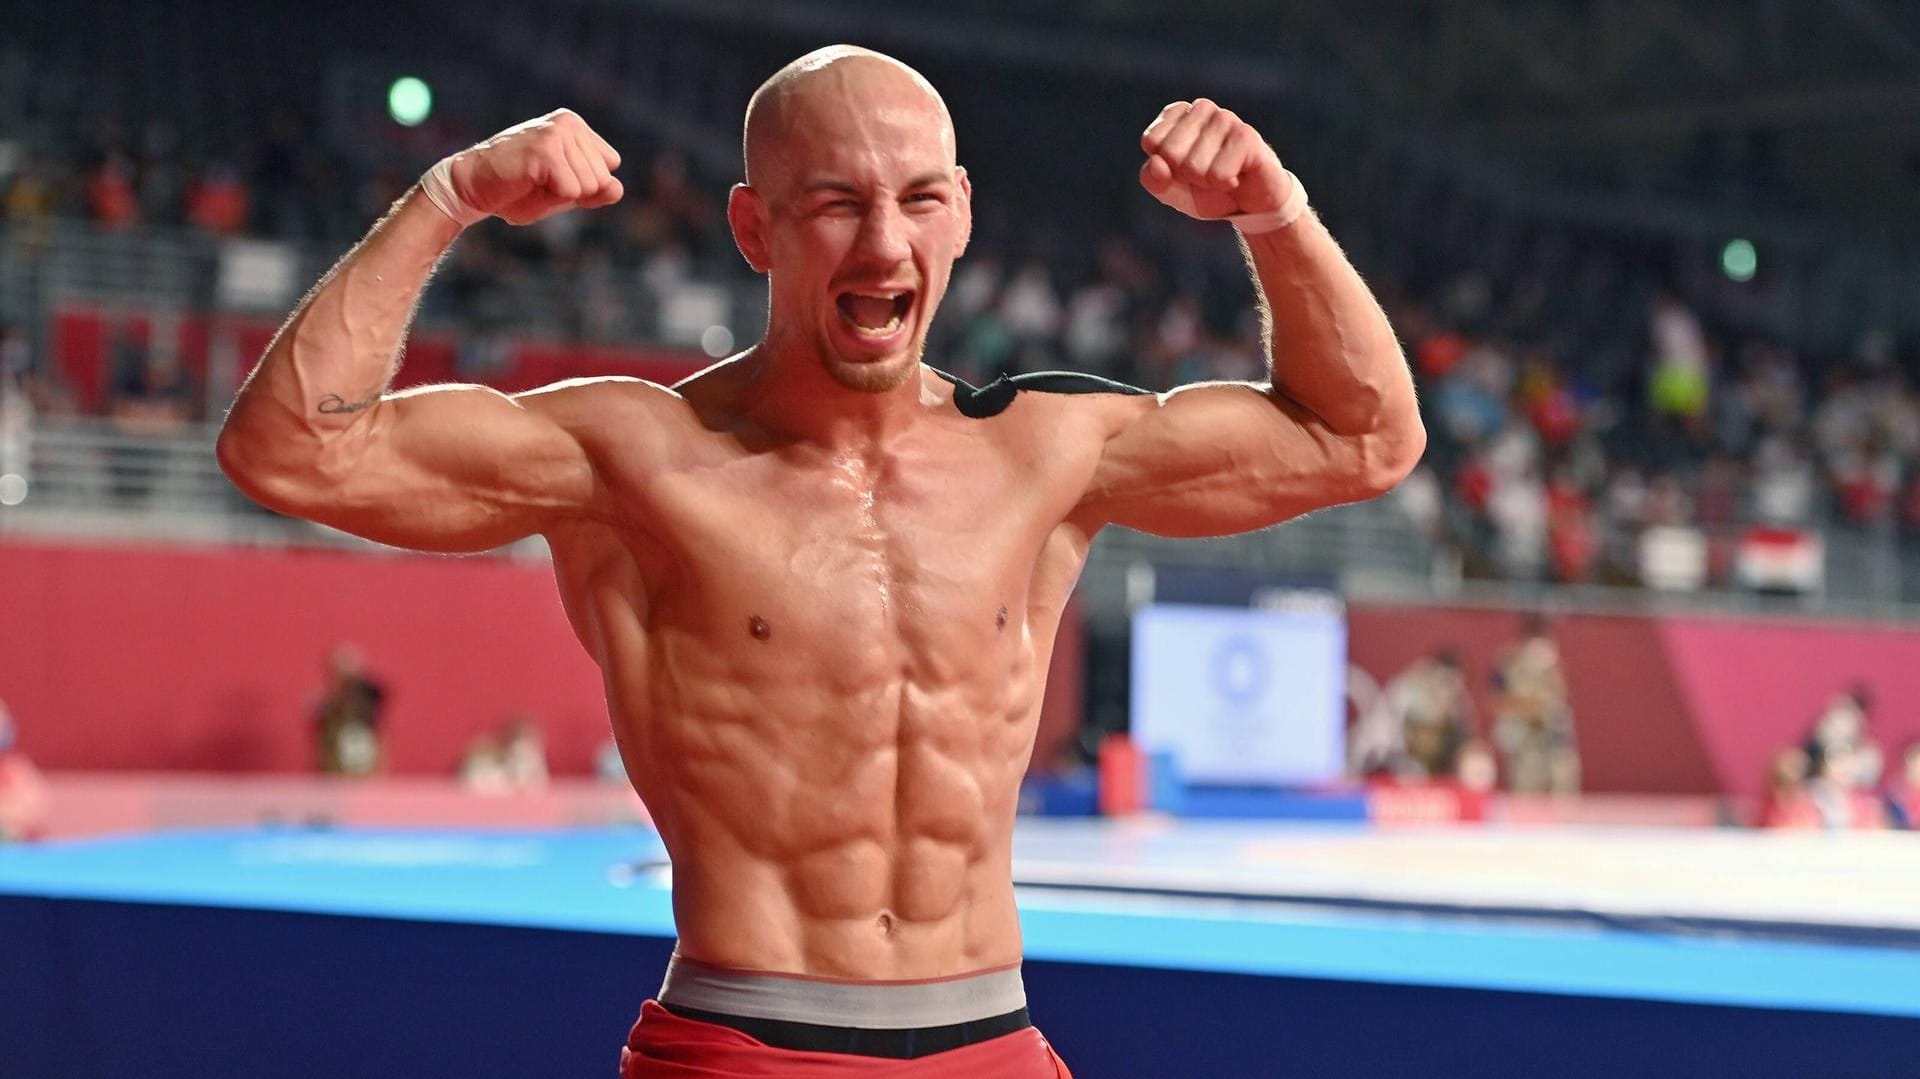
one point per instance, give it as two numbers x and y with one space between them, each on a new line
821 580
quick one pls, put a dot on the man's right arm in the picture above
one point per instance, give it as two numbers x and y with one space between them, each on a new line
314 433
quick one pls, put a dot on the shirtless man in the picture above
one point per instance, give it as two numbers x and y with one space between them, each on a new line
821 580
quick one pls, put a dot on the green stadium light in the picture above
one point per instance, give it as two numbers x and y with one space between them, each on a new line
1738 260
409 101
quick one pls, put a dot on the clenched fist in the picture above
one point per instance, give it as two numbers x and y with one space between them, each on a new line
1208 163
529 171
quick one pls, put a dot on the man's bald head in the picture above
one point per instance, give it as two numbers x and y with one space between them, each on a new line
855 209
839 79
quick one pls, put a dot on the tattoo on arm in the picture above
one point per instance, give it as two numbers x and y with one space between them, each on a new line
334 404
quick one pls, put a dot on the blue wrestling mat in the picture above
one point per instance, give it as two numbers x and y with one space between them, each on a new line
293 953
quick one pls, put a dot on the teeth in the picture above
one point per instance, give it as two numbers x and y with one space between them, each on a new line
873 331
895 299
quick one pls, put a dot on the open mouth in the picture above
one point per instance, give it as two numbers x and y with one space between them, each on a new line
874 313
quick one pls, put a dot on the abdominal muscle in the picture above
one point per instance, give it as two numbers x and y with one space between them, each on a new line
827 824
884 864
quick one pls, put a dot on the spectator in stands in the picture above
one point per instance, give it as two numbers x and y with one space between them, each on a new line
509 759
1840 794
31 196
1533 728
16 412
153 400
112 201
23 794
1476 773
484 769
1784 482
1903 792
219 202
347 718
153 396
1841 732
1787 803
1435 710
523 754
1681 361
16 356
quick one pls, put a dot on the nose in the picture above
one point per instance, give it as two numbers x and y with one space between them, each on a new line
883 234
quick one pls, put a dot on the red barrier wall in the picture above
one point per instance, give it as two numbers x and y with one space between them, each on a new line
1755 687
144 658
1673 705
209 660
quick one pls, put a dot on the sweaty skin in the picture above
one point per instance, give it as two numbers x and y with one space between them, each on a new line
817 686
822 597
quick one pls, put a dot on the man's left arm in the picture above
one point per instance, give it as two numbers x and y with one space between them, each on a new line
1336 421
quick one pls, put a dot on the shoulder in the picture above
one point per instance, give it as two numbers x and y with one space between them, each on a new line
629 408
582 397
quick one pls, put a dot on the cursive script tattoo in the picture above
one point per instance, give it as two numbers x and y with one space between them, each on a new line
334 404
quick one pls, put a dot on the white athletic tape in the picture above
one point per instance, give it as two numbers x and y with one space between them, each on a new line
1180 197
437 185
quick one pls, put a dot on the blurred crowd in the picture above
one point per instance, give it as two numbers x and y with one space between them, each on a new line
1839 778
286 180
1422 727
1552 457
23 793
349 732
1536 473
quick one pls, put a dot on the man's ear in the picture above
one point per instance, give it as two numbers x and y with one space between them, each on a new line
747 217
965 207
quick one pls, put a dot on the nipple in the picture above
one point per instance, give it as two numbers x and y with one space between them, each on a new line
757 626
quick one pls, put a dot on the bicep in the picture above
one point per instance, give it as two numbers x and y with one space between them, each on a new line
450 468
1220 458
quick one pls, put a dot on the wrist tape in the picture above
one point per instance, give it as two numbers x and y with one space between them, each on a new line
1288 212
437 185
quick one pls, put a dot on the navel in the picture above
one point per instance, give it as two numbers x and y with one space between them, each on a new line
757 626
1000 618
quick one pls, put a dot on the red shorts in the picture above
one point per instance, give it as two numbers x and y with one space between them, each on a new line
668 1046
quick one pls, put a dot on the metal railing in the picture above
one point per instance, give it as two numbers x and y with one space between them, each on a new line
96 480
99 477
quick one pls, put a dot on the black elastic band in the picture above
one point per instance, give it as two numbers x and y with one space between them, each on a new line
862 1041
981 402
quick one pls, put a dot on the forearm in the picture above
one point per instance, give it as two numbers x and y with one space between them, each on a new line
1330 346
326 369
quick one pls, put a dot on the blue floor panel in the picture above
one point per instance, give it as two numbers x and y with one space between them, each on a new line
526 954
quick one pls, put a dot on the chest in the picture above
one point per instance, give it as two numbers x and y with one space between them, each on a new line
854 556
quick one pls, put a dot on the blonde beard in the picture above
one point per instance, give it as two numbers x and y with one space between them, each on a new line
874 377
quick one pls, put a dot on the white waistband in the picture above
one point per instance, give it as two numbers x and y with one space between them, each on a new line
874 1005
